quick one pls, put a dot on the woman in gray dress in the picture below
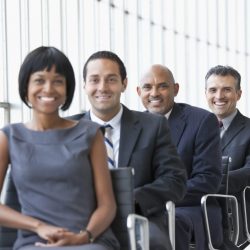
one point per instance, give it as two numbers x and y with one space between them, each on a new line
58 165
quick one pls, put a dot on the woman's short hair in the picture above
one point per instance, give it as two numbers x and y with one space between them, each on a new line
44 58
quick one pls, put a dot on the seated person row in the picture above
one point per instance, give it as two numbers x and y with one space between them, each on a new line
195 132
223 91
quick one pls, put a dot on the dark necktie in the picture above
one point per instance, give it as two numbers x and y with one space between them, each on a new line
109 145
220 124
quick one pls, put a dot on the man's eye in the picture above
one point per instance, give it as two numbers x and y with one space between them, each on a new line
163 86
212 90
228 90
146 87
94 80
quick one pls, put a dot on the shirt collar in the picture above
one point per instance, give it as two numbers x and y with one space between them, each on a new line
227 121
168 113
114 122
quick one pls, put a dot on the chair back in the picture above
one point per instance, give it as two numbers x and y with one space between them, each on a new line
228 205
122 180
225 163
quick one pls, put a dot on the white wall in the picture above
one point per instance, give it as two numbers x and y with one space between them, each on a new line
189 36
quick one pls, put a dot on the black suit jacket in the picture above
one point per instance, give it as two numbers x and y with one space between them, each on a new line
146 146
236 144
195 132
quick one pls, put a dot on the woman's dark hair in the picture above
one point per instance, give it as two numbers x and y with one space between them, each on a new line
44 58
106 55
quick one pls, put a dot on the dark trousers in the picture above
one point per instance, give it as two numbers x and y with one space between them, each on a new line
190 227
158 233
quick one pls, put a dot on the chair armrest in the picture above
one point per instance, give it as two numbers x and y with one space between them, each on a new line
234 215
138 232
245 215
170 206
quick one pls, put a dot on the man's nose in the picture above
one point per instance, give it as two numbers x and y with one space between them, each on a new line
154 91
219 94
102 85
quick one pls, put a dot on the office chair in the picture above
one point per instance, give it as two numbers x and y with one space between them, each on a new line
126 222
138 232
246 216
9 197
170 207
229 207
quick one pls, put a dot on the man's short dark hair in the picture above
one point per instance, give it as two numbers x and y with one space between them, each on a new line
44 58
225 71
106 55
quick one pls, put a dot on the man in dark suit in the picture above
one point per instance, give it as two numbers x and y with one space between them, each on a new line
139 140
195 132
223 91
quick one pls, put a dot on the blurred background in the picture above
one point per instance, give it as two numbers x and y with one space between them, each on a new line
188 36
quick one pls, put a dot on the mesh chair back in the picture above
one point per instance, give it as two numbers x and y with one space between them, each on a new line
122 180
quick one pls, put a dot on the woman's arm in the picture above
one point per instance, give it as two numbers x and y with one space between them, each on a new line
106 206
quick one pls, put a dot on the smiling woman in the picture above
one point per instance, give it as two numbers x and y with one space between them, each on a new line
50 156
46 91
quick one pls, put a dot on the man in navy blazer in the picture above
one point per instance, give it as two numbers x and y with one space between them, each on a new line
223 91
195 132
140 140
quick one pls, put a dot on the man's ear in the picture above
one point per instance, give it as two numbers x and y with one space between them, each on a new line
138 89
124 84
239 92
176 89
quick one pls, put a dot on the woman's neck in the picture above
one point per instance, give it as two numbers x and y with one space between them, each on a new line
45 122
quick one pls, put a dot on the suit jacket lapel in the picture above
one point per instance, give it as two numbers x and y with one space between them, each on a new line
87 115
235 127
177 124
130 131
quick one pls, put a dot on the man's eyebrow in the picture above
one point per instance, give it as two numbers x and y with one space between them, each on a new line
113 75
93 75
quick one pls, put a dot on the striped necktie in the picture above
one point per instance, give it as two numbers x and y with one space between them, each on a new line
109 145
222 129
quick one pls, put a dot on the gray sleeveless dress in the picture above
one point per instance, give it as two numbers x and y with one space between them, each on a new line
52 174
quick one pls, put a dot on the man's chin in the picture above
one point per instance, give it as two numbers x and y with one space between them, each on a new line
156 111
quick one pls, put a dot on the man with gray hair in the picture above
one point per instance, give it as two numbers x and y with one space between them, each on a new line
223 91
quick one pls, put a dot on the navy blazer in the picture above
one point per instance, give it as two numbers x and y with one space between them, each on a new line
236 144
145 145
195 132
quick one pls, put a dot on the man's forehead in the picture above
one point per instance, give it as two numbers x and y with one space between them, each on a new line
219 79
149 76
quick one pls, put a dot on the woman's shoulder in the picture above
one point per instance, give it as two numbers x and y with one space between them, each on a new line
11 127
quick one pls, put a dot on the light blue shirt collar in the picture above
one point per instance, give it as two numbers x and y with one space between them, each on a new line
227 121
